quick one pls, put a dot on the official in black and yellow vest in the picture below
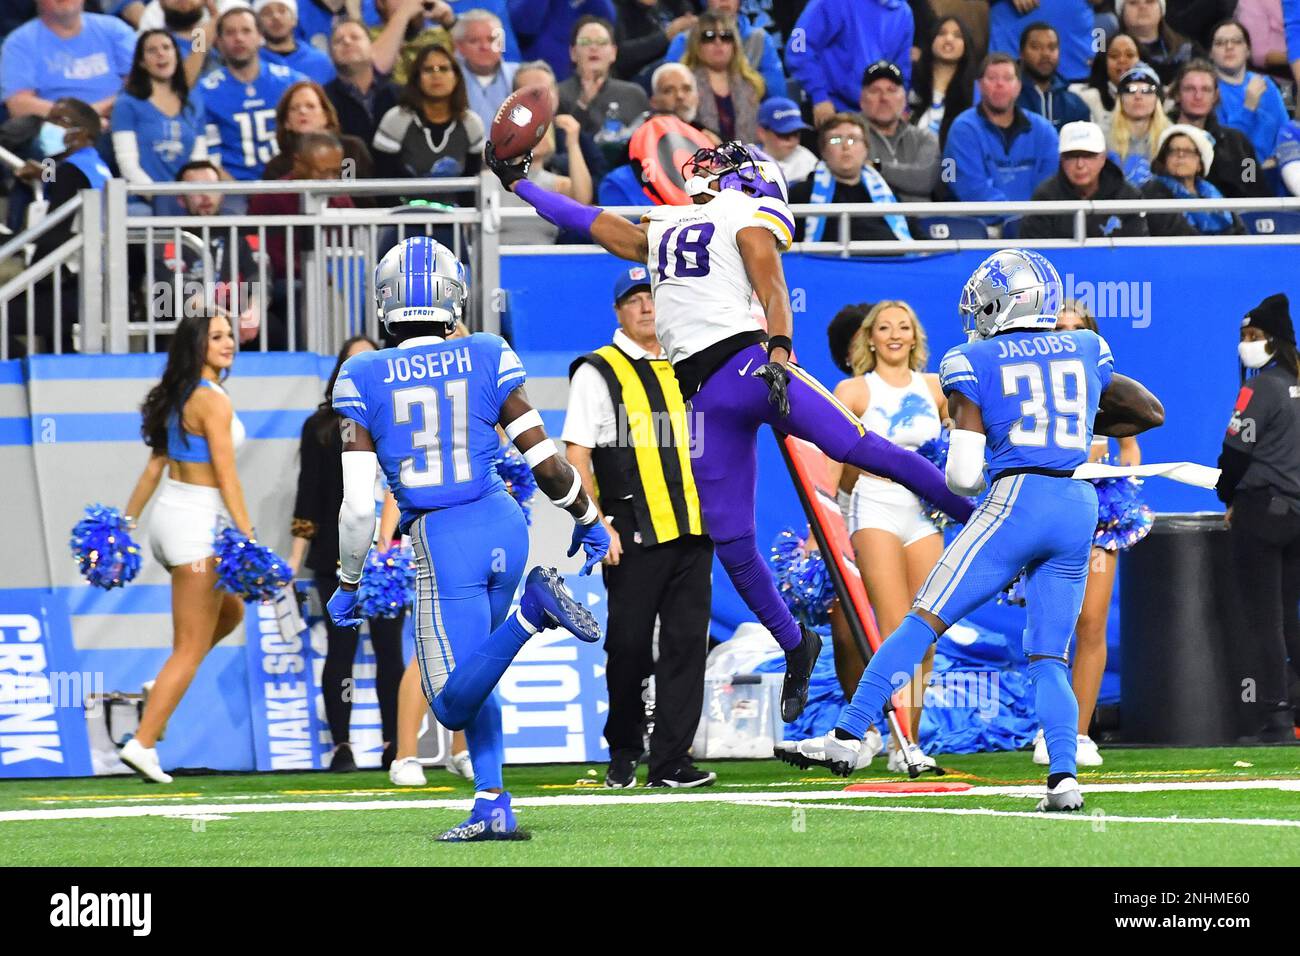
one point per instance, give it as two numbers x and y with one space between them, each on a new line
626 433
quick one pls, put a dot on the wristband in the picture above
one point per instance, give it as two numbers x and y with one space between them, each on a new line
590 515
780 342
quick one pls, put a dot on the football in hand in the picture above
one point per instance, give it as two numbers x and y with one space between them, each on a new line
521 121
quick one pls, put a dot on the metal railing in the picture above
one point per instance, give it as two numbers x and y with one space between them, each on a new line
30 286
137 272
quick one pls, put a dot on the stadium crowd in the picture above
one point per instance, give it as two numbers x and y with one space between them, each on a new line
859 101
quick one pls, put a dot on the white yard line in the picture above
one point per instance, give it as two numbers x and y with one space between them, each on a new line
1096 818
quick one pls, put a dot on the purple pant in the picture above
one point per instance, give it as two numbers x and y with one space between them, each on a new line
727 413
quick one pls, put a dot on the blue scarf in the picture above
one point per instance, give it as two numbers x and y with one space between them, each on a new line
823 191
89 162
1206 223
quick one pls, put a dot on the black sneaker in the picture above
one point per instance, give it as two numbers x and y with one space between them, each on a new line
799 665
621 774
685 776
343 761
1279 728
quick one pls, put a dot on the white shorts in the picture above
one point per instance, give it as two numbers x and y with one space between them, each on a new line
184 521
888 506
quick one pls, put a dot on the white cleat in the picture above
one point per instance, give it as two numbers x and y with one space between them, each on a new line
1086 753
921 760
407 772
144 761
873 741
461 765
1040 749
1063 798
841 757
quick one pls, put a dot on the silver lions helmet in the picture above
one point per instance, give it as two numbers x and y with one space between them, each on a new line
1011 289
420 280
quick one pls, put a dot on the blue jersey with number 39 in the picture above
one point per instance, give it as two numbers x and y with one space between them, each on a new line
1037 391
432 409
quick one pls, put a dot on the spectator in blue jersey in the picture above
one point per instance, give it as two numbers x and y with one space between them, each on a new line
479 39
1136 123
432 132
66 138
755 43
643 30
1248 101
996 152
317 18
277 20
833 43
361 94
407 27
1160 46
240 98
1071 18
65 52
545 28
1043 90
158 126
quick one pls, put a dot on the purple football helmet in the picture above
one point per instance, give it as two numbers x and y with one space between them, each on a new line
735 166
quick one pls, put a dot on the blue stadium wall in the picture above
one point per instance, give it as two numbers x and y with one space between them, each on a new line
69 436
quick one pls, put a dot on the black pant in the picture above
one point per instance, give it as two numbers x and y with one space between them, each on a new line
1266 556
386 636
671 581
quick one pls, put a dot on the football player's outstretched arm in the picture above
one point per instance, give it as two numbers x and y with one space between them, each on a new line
1127 408
964 471
558 479
618 236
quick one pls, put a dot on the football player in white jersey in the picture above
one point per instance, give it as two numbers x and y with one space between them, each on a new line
706 260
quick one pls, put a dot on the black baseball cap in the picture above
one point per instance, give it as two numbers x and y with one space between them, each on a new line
882 70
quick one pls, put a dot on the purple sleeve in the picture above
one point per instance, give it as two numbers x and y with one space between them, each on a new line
917 474
558 210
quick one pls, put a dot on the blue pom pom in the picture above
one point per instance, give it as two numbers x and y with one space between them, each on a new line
1014 593
104 548
1122 519
387 583
521 484
802 579
935 451
248 569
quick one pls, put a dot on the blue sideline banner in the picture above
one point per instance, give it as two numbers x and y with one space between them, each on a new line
42 694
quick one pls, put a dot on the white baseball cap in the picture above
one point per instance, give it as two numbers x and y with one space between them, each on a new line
260 5
1082 136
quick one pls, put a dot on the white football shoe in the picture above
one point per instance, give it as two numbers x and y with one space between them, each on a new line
461 765
1040 749
144 761
407 772
839 756
1062 798
1086 753
873 741
922 760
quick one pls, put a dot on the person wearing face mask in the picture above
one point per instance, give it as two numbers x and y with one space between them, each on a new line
66 139
1260 484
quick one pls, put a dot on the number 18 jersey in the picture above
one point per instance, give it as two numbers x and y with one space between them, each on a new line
1037 391
432 407
701 290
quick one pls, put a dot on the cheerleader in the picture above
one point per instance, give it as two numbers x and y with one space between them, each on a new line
193 433
316 544
1090 631
894 540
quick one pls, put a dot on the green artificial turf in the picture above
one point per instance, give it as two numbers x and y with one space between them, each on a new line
817 832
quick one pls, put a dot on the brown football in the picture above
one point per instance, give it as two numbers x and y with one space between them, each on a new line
521 121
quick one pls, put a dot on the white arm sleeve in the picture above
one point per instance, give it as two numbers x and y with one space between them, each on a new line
127 150
357 515
965 469
1291 177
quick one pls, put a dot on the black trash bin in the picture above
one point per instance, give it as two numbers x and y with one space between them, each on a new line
1178 613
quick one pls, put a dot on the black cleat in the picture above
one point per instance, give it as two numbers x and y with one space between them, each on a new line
799 664
685 776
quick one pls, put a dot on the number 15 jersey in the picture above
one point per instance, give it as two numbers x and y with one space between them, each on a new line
701 290
1037 391
432 407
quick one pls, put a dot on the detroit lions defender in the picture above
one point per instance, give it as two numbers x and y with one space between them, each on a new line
426 412
1027 395
706 261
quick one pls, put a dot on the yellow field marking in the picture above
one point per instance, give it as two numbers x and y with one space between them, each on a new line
65 797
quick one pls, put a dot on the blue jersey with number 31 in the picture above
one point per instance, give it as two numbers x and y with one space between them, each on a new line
432 410
1037 391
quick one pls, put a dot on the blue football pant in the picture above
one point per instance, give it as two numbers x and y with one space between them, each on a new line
470 558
